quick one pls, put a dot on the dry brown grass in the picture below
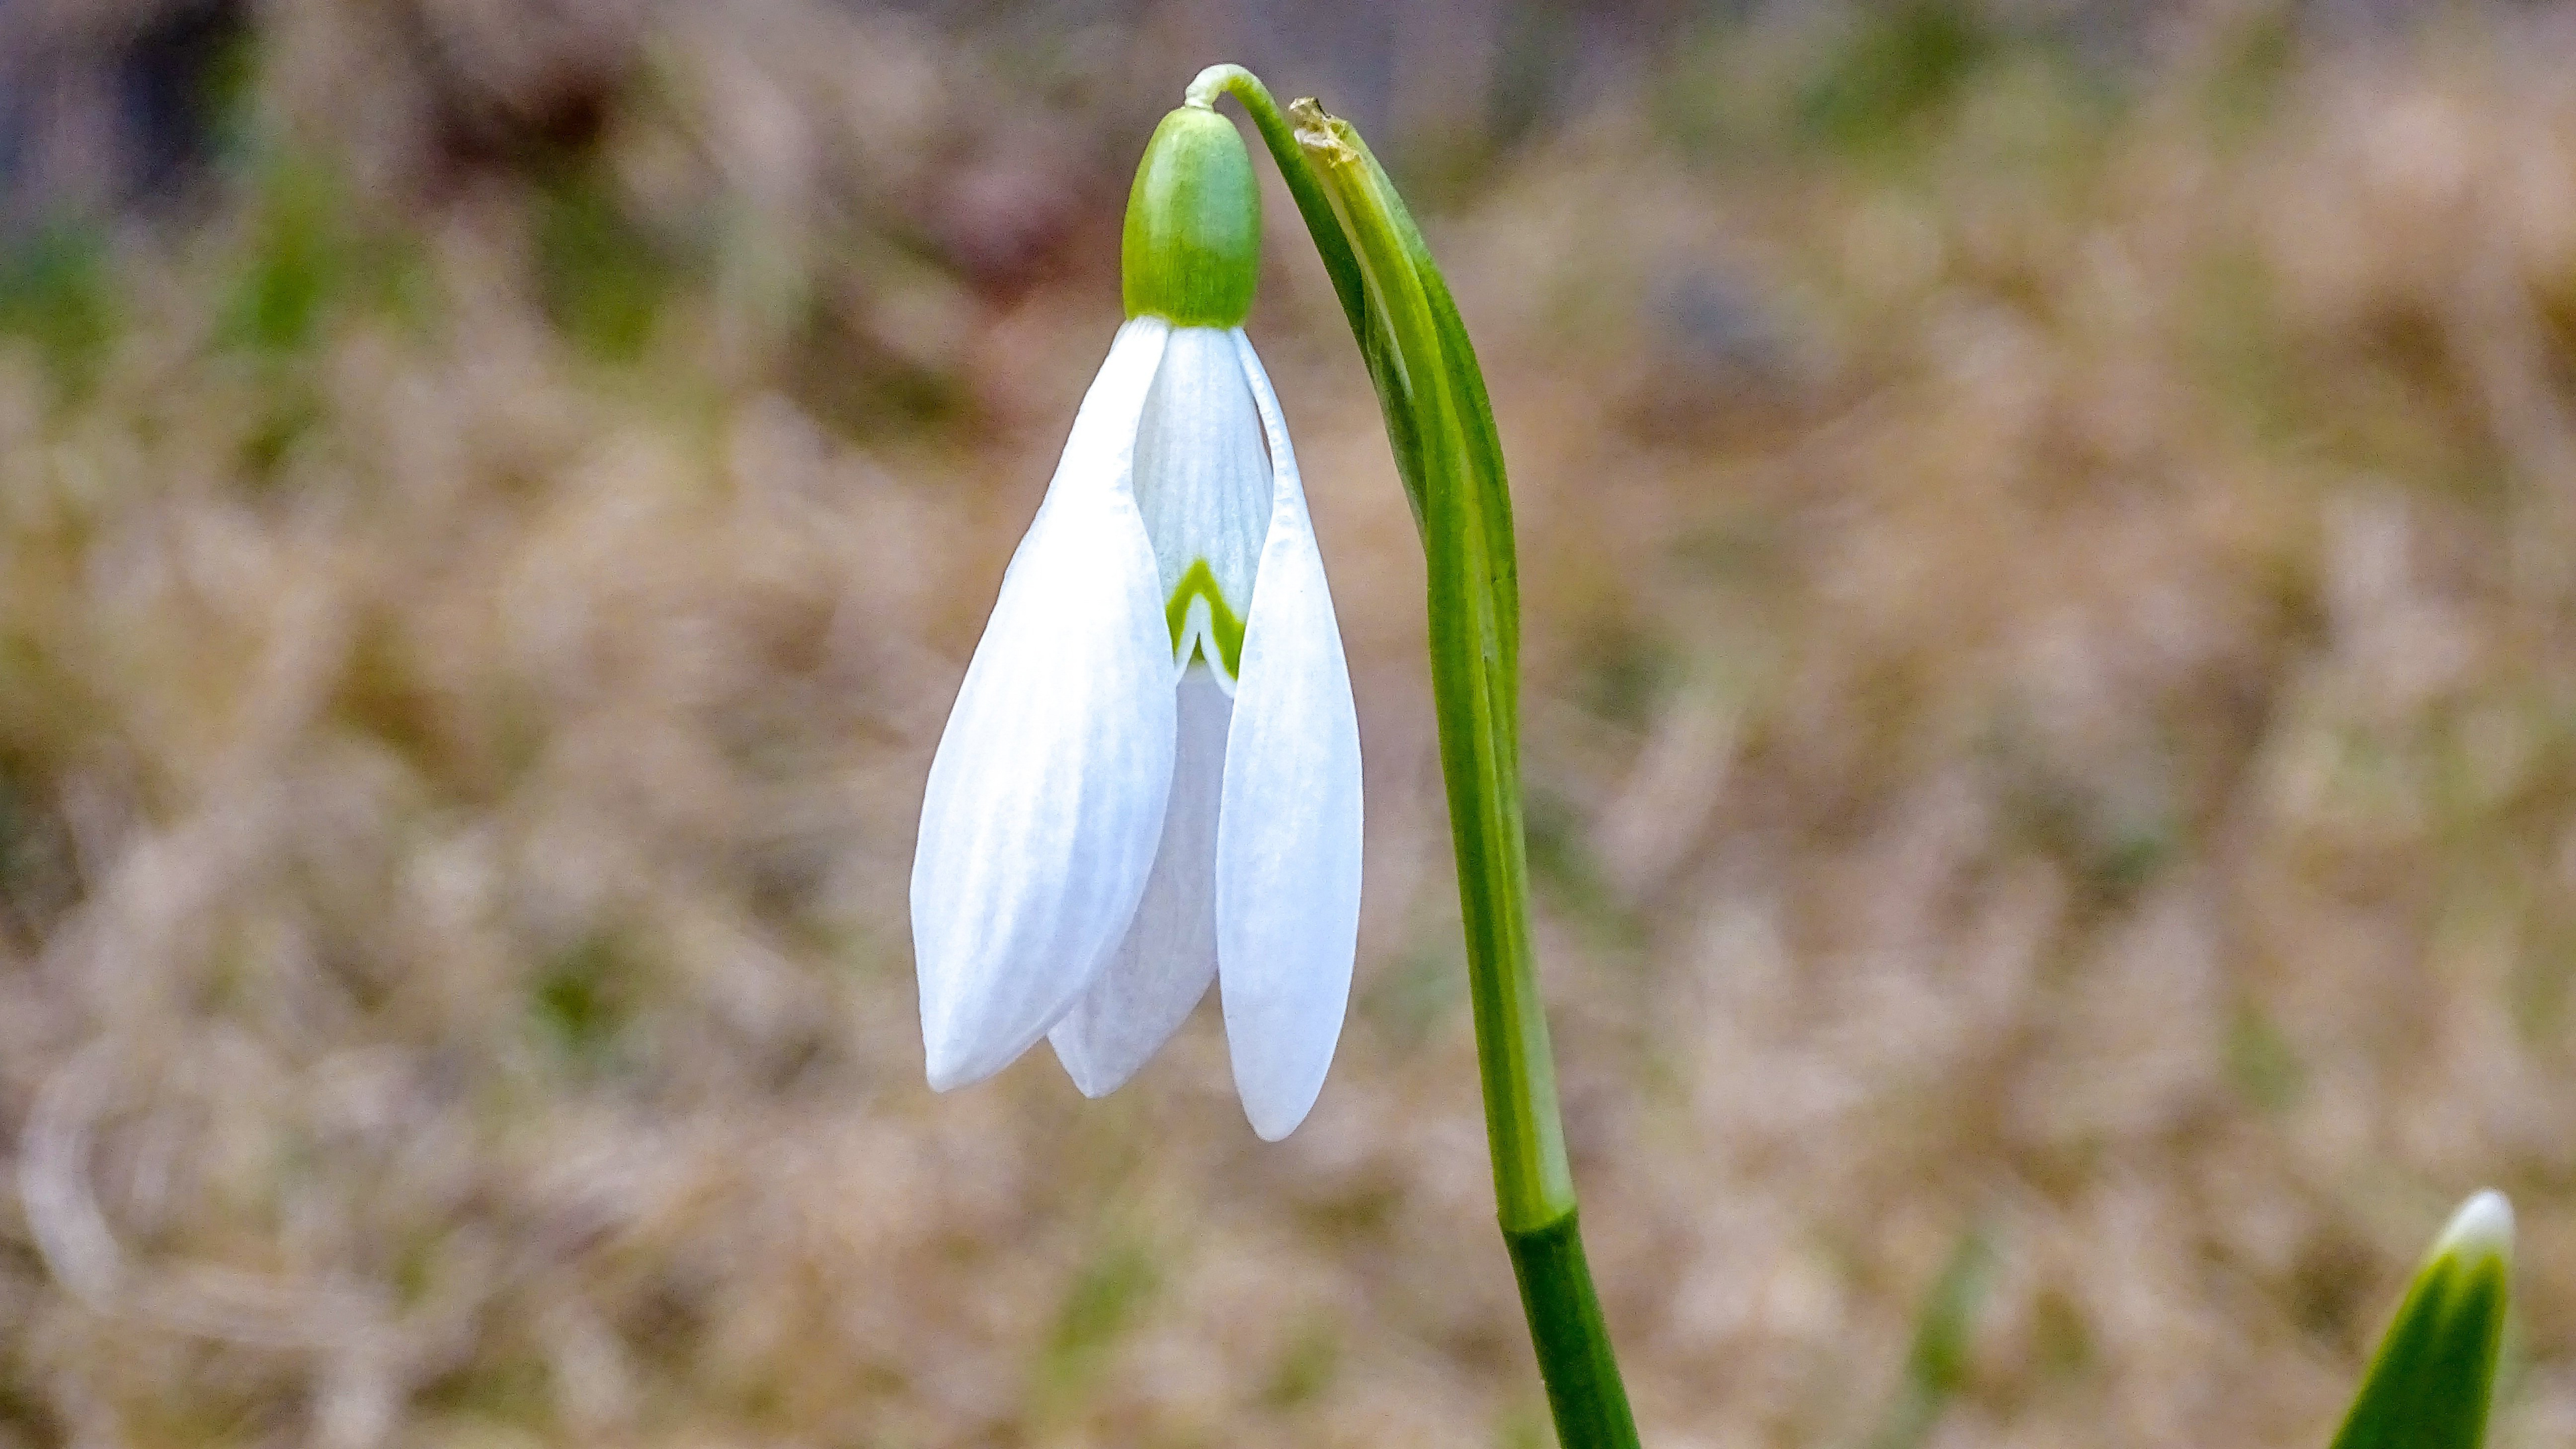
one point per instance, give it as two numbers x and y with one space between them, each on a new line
2052 712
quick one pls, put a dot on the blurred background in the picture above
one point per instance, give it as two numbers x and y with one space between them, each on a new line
2049 547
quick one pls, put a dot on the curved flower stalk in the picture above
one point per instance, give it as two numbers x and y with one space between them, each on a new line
1151 779
1440 426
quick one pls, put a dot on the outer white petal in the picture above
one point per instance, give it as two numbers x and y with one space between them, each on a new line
1288 829
1045 800
1169 956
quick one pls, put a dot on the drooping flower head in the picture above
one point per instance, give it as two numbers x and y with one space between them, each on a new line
1151 778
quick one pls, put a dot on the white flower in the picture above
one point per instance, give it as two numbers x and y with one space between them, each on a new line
1152 776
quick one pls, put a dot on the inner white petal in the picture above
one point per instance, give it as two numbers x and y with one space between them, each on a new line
1203 477
1197 644
1163 966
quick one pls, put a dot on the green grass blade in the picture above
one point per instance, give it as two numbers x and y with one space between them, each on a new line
1936 1363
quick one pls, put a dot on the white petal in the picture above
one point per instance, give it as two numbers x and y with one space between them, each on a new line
1288 829
1045 800
1169 956
1203 480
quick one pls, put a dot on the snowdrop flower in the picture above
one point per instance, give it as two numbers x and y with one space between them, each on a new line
1151 779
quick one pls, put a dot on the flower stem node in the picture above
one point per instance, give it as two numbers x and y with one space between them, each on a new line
1192 249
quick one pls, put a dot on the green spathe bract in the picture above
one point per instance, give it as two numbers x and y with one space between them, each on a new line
1192 248
2429 1385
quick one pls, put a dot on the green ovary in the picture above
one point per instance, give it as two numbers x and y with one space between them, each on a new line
1199 582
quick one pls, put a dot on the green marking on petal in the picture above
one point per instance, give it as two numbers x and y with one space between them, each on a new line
1199 582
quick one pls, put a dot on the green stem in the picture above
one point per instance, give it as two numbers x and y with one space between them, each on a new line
1584 1393
1440 426
1308 193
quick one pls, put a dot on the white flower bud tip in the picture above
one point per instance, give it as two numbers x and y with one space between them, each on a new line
2483 1227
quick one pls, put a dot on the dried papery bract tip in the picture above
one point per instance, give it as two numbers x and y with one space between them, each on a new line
1320 132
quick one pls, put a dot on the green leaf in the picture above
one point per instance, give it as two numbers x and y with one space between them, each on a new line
55 293
299 260
603 276
2429 1386
1936 1364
